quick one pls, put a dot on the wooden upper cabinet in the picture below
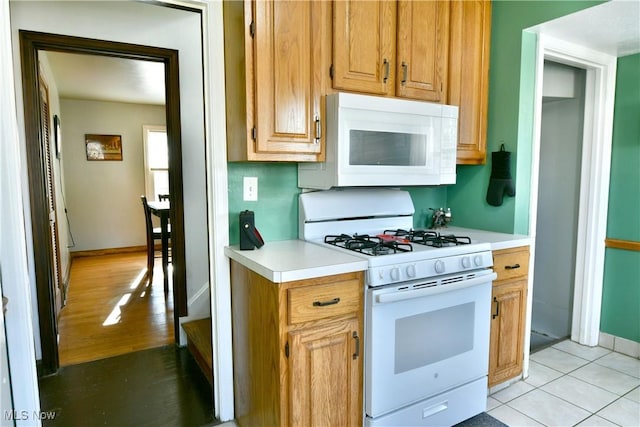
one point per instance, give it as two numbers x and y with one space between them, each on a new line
470 39
422 49
391 48
275 63
364 46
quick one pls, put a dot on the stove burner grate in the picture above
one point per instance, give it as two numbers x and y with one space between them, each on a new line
429 238
368 245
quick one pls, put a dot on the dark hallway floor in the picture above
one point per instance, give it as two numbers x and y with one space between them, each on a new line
157 387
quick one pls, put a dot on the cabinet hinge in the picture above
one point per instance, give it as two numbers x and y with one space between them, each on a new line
252 29
254 133
286 349
331 72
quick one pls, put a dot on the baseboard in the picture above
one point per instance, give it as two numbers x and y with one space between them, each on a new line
107 251
619 345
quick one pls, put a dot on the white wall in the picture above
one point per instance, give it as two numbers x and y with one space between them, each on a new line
145 24
103 197
558 199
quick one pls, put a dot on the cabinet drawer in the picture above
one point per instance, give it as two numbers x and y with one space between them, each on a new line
511 263
321 301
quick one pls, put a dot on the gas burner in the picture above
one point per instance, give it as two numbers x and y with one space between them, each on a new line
441 241
368 245
427 238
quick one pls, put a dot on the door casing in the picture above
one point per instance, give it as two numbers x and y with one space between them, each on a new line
594 180
30 43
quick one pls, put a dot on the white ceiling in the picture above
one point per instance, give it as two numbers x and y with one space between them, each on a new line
612 27
93 77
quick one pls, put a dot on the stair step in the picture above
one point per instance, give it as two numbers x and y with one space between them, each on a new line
199 344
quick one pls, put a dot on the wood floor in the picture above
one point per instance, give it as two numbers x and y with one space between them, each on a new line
158 387
111 310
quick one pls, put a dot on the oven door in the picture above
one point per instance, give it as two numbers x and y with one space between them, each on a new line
424 340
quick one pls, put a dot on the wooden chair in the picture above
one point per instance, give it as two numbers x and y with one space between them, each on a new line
163 197
153 234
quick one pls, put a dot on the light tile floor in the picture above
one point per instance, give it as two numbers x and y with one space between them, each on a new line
572 385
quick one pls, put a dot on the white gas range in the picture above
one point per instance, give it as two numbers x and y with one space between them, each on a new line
427 305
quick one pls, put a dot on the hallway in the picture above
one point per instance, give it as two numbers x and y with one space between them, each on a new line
119 364
111 310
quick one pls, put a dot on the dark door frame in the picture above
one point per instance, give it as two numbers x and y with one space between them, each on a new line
30 43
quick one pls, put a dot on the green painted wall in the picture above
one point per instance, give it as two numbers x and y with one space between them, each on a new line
621 287
276 211
510 115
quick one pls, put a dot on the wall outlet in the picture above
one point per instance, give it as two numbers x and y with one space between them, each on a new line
250 193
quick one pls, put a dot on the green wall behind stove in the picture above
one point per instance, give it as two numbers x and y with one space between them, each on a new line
276 211
510 116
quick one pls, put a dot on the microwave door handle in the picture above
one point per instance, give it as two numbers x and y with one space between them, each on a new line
433 290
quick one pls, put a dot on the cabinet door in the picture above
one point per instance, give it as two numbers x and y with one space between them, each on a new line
470 38
325 370
364 46
507 330
423 38
288 59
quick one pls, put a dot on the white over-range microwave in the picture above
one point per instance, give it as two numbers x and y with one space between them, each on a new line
379 141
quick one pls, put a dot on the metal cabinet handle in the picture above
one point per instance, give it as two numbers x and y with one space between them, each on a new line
357 338
405 68
494 315
318 129
326 303
511 267
387 66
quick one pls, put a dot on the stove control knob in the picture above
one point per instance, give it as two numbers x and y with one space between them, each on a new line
439 267
381 274
395 274
477 260
466 262
411 270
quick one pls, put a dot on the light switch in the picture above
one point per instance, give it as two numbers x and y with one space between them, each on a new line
250 193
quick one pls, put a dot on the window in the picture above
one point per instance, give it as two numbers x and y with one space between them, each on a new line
156 161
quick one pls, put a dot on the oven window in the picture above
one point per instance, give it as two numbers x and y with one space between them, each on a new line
367 148
427 338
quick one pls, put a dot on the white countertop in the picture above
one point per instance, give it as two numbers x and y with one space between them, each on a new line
497 240
289 260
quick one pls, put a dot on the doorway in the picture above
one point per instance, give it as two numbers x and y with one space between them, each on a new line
30 44
561 135
595 162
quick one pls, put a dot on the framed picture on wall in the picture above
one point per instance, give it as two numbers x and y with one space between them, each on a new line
103 147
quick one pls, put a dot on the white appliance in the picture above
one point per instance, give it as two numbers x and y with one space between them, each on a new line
427 306
381 141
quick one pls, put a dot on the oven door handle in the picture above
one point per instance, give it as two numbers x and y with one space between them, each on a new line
434 290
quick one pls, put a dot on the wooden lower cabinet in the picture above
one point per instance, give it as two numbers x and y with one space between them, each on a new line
507 331
324 376
509 303
297 349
